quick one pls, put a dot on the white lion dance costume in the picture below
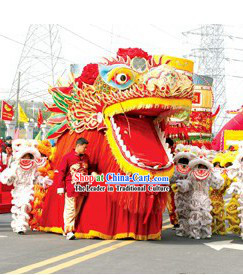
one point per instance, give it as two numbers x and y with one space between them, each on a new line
182 196
22 174
196 187
236 173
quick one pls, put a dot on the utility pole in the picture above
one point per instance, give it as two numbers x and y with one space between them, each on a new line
40 63
17 102
210 61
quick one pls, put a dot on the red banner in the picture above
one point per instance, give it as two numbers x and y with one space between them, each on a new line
39 119
7 111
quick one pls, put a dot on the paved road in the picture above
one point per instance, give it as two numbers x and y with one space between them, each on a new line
50 253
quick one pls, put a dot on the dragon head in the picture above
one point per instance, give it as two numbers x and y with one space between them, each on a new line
130 98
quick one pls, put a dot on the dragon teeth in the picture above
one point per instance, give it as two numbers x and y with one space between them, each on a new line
141 164
161 135
121 142
117 130
133 159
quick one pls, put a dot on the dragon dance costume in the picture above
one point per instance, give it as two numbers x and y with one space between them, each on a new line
121 107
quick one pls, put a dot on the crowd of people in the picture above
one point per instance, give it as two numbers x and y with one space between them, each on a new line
195 202
5 152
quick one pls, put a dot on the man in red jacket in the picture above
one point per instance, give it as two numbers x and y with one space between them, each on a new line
74 162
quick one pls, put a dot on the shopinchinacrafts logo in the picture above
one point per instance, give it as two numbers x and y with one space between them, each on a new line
120 183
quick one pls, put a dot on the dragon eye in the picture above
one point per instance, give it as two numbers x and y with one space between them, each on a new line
121 78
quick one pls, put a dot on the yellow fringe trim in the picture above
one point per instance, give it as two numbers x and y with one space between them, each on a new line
145 103
95 234
52 229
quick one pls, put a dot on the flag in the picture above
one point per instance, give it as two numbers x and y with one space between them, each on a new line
22 116
39 118
215 114
38 137
7 111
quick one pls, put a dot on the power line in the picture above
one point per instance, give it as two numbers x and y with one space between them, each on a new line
39 96
85 39
208 34
233 59
115 34
208 49
156 27
225 58
20 43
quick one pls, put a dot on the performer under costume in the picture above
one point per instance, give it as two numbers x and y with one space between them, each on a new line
121 107
183 155
23 175
236 173
171 207
199 179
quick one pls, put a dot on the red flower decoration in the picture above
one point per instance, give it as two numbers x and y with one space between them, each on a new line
89 75
133 52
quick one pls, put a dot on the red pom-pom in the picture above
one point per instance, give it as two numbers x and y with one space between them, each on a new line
89 74
133 52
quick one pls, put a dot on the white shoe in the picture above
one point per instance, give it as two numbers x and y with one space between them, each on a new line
179 234
70 236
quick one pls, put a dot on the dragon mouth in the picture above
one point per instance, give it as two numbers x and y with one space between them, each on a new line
139 135
141 141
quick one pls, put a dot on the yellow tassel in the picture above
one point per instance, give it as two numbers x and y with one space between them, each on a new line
95 234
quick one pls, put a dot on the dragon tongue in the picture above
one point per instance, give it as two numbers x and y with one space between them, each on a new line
141 140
